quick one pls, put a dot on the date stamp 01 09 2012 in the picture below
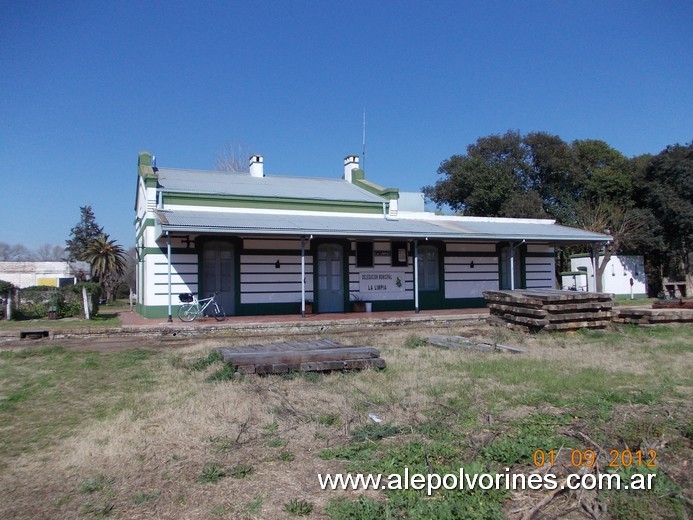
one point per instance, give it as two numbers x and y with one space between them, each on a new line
588 458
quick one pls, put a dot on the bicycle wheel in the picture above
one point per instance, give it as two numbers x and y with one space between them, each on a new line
187 312
219 313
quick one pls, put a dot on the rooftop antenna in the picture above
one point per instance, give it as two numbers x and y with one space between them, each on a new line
363 160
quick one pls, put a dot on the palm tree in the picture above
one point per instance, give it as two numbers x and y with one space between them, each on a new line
107 260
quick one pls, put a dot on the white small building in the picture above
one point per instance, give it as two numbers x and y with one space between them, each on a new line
51 274
622 274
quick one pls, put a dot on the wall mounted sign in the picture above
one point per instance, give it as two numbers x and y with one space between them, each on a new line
381 282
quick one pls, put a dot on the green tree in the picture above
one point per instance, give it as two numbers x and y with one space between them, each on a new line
586 183
534 175
481 181
665 186
551 174
108 262
605 173
82 235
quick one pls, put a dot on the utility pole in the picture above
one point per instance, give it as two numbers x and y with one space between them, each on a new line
363 153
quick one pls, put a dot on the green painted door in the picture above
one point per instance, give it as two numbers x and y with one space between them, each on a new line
430 293
330 274
218 274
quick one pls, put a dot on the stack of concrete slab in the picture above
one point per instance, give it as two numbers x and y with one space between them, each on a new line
533 310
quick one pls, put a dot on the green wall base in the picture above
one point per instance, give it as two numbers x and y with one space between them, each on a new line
273 309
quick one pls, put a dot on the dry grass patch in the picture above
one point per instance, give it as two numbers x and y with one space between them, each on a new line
152 436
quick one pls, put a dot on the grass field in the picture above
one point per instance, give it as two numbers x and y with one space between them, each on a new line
103 319
165 433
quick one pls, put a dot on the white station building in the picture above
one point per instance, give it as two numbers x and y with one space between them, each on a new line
270 244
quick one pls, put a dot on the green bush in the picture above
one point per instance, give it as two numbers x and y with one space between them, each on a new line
35 302
74 294
5 287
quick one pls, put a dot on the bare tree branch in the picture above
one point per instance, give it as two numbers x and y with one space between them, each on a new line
622 223
233 157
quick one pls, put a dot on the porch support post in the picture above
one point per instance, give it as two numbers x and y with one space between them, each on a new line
416 276
512 266
595 249
303 277
168 254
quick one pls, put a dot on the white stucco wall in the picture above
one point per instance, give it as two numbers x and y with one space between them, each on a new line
617 275
28 274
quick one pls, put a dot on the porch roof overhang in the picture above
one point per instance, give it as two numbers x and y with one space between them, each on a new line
327 225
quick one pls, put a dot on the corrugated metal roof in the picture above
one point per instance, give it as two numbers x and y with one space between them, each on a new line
244 184
373 226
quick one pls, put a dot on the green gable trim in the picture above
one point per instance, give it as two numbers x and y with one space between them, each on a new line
235 201
144 166
145 159
358 178
150 181
145 224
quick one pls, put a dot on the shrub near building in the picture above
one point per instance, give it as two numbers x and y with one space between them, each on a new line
36 302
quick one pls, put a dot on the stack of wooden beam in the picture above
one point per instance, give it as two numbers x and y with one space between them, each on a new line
301 356
673 304
644 316
545 309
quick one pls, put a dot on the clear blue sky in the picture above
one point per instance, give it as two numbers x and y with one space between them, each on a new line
86 85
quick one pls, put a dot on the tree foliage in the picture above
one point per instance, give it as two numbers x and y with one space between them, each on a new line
82 235
5 288
645 203
108 262
534 175
666 187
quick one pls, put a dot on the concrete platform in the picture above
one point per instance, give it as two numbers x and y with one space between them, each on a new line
135 325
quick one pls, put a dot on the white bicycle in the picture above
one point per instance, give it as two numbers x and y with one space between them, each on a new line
193 308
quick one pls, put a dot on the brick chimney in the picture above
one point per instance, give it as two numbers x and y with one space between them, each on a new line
351 162
256 166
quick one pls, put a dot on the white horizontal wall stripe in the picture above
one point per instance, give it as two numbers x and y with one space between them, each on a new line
253 298
280 278
268 288
539 248
469 288
284 269
471 276
466 247
250 244
540 270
